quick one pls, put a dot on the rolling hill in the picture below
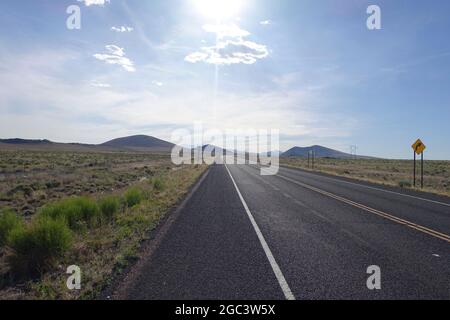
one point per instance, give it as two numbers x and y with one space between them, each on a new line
143 143
140 143
320 152
25 141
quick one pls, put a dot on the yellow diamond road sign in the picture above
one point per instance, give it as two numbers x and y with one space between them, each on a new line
419 147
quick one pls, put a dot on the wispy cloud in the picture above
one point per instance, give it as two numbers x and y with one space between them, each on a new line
225 31
122 29
89 3
231 47
52 103
115 50
116 55
100 84
265 22
157 83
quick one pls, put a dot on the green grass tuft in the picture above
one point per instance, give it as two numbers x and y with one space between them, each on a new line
133 197
158 184
109 207
37 247
77 212
9 221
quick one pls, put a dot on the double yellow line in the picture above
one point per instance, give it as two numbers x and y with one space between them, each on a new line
385 215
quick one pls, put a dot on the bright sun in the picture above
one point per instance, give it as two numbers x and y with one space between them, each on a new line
219 9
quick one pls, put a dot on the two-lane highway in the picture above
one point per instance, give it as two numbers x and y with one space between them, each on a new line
299 235
325 232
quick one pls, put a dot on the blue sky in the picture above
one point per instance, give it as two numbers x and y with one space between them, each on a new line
310 68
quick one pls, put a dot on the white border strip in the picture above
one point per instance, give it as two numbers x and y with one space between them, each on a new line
275 267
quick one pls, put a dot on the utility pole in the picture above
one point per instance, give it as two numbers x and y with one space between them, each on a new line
309 158
354 151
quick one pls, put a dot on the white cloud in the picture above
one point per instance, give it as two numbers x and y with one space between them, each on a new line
197 57
265 22
116 55
157 83
230 52
37 100
115 50
224 31
122 29
94 2
100 84
231 47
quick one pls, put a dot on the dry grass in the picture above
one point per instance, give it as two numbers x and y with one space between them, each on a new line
389 172
107 249
30 179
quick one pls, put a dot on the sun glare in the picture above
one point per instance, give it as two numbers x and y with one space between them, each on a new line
219 9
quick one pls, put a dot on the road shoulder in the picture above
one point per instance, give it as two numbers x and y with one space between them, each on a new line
120 282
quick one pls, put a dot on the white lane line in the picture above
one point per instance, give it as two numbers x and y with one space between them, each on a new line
273 263
377 189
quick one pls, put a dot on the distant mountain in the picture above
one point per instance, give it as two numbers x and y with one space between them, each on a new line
143 143
46 145
320 152
213 148
24 141
140 143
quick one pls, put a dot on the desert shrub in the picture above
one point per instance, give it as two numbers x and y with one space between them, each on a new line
133 197
404 184
158 184
76 212
37 247
109 206
9 221
52 184
25 190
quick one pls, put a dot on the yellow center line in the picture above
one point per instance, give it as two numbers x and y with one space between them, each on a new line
385 215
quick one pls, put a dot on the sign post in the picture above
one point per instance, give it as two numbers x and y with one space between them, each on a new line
421 170
414 175
418 147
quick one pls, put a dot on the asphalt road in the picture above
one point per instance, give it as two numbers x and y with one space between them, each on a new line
299 235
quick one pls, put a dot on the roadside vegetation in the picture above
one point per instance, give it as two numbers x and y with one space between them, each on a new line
389 172
101 232
31 179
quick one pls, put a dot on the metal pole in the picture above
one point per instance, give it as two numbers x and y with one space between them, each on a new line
313 159
414 183
421 170
309 156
